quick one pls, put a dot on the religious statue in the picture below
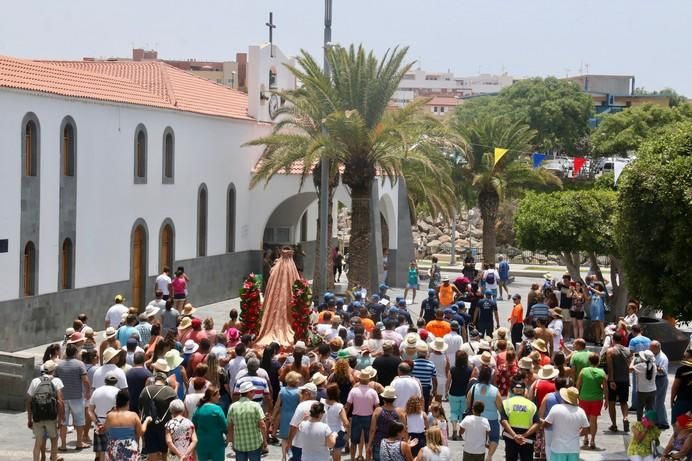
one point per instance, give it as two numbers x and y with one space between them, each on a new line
277 316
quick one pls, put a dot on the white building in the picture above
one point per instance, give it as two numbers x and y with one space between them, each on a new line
419 83
112 170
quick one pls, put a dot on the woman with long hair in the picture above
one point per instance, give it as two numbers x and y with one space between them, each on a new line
343 377
285 406
416 422
217 377
579 298
485 392
124 429
382 419
559 361
434 449
210 423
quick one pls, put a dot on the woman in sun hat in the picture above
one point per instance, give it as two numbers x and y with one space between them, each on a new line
184 329
439 358
382 418
177 371
540 346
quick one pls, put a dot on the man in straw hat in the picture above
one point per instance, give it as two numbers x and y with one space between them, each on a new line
245 417
439 358
567 422
363 400
111 357
520 422
155 401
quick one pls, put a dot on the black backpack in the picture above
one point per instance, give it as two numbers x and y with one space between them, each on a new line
152 410
44 402
490 278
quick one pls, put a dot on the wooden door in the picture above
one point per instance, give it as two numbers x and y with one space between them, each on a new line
166 250
29 270
138 267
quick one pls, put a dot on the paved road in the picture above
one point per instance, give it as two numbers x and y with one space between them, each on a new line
16 441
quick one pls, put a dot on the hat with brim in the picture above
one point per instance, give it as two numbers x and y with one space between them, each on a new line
422 347
439 345
318 378
185 323
151 310
309 387
109 354
484 345
486 358
548 276
162 365
556 312
111 332
190 347
367 373
548 372
76 338
388 393
411 340
188 309
173 358
343 354
539 345
570 395
525 363
246 387
49 366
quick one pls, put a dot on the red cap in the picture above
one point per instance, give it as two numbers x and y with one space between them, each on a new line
423 333
196 323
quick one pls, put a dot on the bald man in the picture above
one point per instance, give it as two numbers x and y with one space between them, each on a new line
661 384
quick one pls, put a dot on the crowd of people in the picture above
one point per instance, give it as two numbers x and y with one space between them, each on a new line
368 380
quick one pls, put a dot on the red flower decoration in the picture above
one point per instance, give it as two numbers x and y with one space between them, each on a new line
300 309
250 306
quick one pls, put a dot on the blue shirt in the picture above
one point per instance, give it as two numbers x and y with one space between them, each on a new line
503 270
424 370
639 343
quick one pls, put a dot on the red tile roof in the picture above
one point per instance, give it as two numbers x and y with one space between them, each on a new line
444 101
153 84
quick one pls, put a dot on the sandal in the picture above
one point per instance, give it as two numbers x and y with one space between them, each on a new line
613 428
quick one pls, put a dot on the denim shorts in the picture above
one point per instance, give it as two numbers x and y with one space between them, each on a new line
340 440
75 407
360 424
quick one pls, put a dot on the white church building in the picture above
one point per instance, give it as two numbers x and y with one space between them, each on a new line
111 170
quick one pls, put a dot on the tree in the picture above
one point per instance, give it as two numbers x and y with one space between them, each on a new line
621 133
654 221
488 183
558 110
346 118
570 222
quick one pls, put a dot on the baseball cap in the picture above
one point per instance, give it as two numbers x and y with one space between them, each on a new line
449 310
431 292
401 303
383 287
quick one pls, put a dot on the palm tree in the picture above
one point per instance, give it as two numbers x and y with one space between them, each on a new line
347 119
486 183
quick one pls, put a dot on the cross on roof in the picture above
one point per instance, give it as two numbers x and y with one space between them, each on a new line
271 27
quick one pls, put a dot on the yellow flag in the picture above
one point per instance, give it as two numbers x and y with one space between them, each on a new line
499 152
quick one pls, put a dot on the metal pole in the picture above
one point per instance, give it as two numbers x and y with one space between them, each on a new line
324 173
453 256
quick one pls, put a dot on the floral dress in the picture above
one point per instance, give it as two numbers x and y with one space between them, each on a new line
642 448
122 444
505 372
181 430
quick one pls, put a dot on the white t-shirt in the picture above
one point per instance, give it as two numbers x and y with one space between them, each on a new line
406 387
103 400
643 384
302 410
476 430
160 303
323 328
233 367
567 422
313 437
115 314
99 379
333 415
556 325
57 382
454 342
162 282
443 455
491 286
191 401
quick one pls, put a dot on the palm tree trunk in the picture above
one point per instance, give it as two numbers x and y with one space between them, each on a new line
359 245
488 202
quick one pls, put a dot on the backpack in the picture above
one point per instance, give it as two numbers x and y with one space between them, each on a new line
151 408
44 402
490 278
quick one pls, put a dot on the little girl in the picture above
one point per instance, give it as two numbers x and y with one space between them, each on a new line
437 417
416 423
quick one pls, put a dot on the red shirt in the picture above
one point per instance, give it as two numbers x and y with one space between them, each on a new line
543 388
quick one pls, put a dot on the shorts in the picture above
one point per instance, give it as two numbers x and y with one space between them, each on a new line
179 296
100 442
564 456
42 428
473 457
412 285
591 407
621 392
457 407
340 439
76 408
154 440
578 315
360 424
494 436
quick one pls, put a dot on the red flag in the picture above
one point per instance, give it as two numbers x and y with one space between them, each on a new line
578 165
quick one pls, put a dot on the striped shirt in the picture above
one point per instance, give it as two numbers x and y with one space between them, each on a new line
261 386
424 370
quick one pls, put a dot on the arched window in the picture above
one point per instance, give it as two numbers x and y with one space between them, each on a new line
68 149
140 155
230 219
168 156
30 144
202 207
67 265
166 245
29 270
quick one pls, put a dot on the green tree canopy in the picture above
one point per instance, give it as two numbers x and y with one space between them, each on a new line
654 221
558 110
623 132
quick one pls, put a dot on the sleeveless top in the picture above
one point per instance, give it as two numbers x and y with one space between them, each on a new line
121 433
543 388
446 295
391 451
490 412
415 423
620 371
179 379
460 381
384 420
443 455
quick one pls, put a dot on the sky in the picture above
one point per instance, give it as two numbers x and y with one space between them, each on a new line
647 39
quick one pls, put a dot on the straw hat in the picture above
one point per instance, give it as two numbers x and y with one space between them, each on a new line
556 312
486 358
162 365
190 347
497 333
109 354
548 372
525 363
539 345
388 393
173 358
570 395
484 345
151 311
318 378
185 323
111 332
548 276
439 345
422 347
367 373
188 309
411 340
